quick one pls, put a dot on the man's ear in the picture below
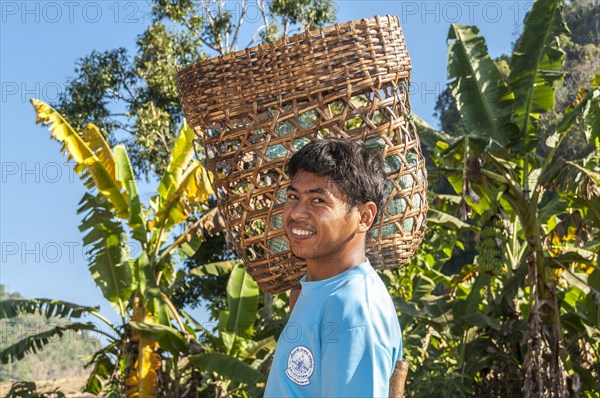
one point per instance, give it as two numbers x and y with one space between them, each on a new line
367 212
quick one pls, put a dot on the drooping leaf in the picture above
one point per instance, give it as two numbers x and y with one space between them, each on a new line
483 99
35 343
555 206
254 347
86 160
438 217
569 255
535 68
99 375
94 138
107 250
11 308
228 367
156 305
481 320
216 269
169 338
28 389
103 368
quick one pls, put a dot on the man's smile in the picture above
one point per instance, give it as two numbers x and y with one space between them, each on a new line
302 232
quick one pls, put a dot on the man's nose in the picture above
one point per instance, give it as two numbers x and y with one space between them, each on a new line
298 210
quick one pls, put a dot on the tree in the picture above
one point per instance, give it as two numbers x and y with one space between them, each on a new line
537 216
135 96
133 99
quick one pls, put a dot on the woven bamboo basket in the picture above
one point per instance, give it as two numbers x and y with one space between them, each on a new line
255 108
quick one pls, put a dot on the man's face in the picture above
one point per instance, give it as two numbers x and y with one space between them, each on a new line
318 221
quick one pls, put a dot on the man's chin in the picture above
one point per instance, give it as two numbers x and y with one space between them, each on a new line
301 254
297 253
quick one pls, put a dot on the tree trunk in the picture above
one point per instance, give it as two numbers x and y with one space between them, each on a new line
543 370
143 359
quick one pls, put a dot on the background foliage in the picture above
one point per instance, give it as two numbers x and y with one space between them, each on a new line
65 357
504 287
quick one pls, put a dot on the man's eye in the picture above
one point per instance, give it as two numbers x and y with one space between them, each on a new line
291 196
318 200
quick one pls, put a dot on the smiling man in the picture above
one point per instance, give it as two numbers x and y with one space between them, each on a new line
343 337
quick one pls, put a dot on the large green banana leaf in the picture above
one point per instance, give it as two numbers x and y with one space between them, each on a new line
243 295
84 155
535 67
236 324
107 249
144 282
35 343
125 175
11 308
227 366
185 182
483 99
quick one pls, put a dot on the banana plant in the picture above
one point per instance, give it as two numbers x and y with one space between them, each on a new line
232 360
137 288
499 163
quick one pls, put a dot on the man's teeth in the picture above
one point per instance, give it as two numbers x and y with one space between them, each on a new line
301 232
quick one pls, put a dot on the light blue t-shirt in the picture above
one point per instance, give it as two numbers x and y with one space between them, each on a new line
342 339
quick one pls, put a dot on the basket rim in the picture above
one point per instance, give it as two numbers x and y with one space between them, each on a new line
288 41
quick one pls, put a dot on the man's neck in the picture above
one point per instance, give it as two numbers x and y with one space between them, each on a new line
318 270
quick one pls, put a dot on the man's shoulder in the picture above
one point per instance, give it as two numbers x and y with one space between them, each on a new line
348 303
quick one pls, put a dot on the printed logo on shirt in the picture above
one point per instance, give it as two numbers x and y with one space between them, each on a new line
301 365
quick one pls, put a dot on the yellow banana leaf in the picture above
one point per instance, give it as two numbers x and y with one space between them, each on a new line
181 155
84 156
195 187
92 136
183 150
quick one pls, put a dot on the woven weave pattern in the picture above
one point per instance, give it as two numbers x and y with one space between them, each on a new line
257 107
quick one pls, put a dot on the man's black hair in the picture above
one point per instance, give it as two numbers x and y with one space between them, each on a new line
357 171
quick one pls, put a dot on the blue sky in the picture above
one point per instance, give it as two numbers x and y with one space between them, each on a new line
40 42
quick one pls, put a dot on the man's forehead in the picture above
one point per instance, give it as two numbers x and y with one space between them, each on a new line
305 181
